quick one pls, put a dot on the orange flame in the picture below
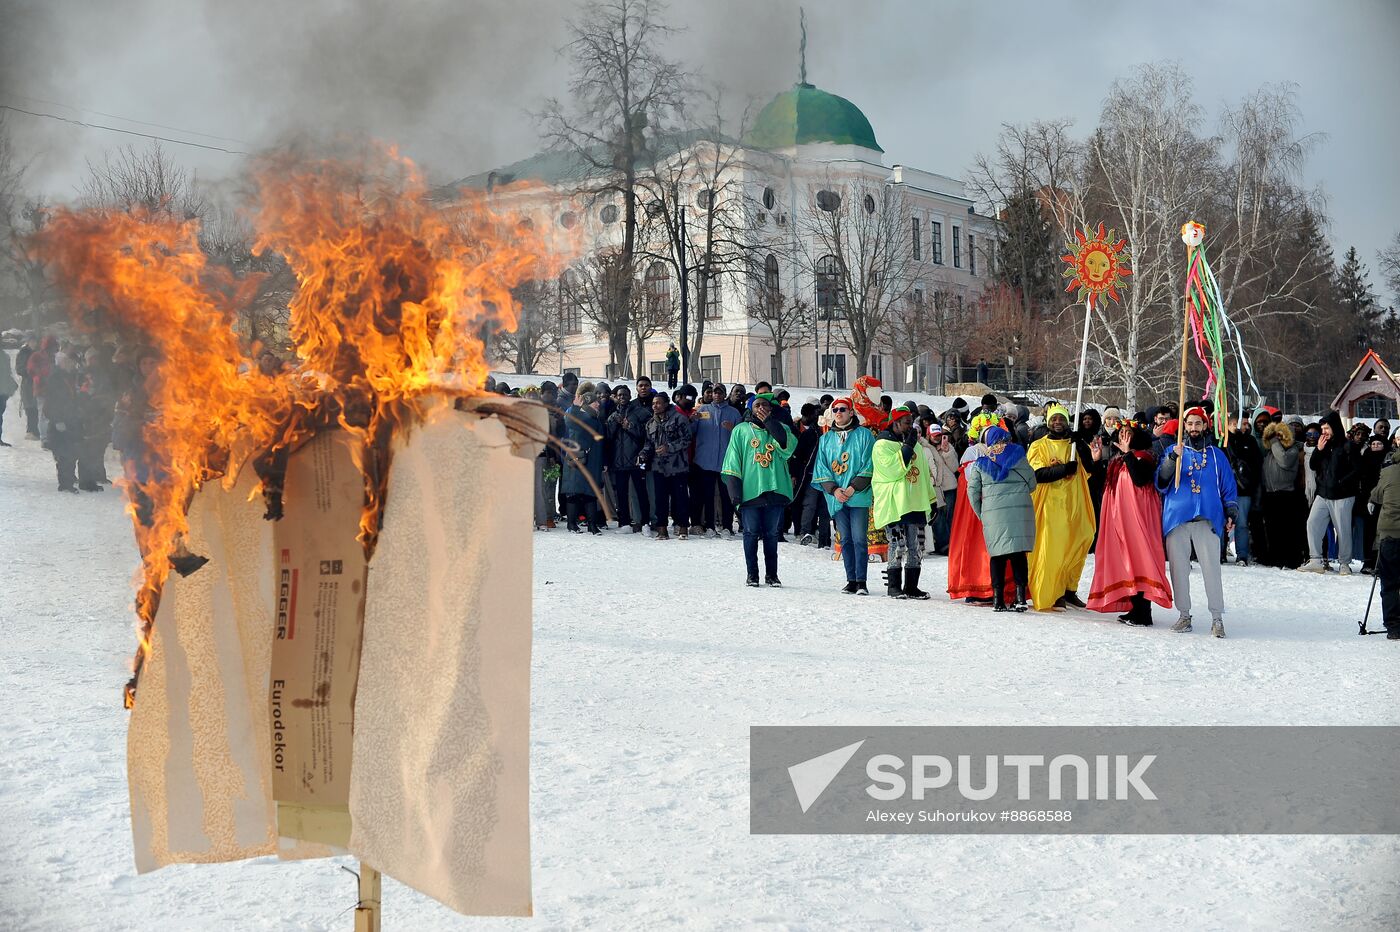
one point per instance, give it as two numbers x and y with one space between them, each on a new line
395 298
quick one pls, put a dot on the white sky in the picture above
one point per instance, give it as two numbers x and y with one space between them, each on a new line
453 81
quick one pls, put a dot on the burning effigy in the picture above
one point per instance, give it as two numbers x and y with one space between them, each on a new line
333 607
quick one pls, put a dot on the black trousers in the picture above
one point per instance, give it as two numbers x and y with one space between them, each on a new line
1388 571
815 519
64 446
31 417
710 510
624 482
1019 569
91 469
1282 519
672 500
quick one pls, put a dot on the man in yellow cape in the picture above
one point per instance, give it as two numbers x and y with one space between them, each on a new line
1064 513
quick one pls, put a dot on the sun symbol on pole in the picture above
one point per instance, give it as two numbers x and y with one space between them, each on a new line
1097 263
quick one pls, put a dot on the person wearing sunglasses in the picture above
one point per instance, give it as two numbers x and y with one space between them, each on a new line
843 471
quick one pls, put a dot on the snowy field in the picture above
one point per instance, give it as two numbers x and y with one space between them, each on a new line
651 662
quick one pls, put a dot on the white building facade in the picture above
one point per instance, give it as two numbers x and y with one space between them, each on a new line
806 145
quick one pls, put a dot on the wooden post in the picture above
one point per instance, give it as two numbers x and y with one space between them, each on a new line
367 915
1185 335
1083 360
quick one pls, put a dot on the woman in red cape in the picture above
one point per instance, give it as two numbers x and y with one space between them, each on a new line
1130 565
969 567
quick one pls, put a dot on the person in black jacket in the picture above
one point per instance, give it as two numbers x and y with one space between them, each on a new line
1247 461
1334 463
65 420
810 517
1369 464
626 436
1091 430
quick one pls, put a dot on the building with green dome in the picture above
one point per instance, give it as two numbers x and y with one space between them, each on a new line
816 236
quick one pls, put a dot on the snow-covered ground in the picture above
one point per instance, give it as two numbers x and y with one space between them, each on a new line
651 662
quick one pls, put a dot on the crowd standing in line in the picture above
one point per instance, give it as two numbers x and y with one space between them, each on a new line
1016 503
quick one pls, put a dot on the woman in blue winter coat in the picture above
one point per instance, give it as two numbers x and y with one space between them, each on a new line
999 487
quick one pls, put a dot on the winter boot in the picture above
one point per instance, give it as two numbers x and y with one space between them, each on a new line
1182 625
661 534
852 587
808 540
1021 604
1072 598
773 581
861 589
1140 615
751 582
1217 627
999 600
894 582
911 584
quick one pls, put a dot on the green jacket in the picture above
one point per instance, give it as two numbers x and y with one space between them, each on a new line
900 488
1386 499
758 461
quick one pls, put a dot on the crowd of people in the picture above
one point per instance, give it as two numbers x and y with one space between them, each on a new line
1015 502
77 401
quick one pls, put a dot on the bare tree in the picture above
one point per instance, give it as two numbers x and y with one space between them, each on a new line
1389 259
623 91
591 286
1148 171
860 253
787 320
148 179
936 323
702 219
539 326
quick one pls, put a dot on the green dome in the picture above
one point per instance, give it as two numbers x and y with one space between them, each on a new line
808 114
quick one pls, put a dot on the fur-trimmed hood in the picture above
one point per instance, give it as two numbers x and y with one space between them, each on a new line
1283 432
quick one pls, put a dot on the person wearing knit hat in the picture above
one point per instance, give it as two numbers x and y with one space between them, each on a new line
755 470
1198 509
903 500
1064 512
1112 420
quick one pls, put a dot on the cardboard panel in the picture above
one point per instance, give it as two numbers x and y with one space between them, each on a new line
320 593
439 794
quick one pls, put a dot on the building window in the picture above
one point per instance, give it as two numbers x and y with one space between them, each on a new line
567 219
957 247
834 370
714 306
917 241
658 373
971 254
828 285
828 201
608 214
658 290
772 292
877 368
573 369
918 296
870 204
569 316
769 198
704 199
774 374
936 244
710 368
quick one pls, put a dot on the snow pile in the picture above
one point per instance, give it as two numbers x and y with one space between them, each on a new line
647 677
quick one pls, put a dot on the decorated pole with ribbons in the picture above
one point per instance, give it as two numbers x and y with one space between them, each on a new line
1206 326
1097 262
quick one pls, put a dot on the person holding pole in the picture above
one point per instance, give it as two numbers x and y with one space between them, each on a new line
1198 509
